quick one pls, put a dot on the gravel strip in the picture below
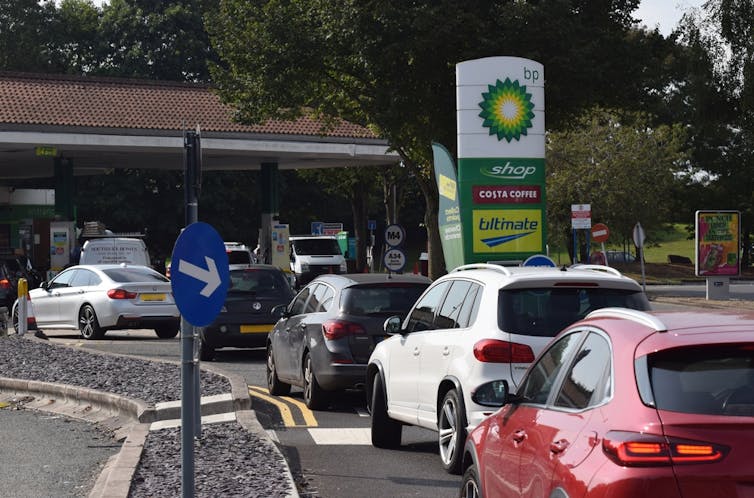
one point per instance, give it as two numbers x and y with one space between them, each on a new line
229 460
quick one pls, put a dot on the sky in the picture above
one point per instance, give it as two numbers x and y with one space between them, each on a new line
664 13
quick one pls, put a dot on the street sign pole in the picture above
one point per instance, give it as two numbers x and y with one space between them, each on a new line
639 236
190 387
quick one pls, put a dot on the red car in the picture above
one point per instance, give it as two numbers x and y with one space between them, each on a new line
625 404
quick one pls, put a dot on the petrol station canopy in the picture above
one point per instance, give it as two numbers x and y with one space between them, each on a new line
98 124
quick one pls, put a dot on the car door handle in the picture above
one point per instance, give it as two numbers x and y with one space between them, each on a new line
559 446
416 351
519 436
302 326
445 351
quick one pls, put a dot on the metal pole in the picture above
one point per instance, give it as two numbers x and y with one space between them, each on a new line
189 369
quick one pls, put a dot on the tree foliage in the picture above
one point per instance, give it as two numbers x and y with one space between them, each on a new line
620 164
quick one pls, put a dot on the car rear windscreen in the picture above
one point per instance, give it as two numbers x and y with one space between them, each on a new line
391 299
544 312
239 258
135 274
259 282
709 379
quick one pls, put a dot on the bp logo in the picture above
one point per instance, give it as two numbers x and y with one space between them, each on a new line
507 110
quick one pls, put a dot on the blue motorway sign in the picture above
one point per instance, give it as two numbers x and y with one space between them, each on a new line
199 273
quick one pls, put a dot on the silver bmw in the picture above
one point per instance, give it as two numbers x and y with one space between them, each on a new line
96 298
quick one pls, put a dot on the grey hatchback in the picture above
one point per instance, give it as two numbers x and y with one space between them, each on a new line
327 333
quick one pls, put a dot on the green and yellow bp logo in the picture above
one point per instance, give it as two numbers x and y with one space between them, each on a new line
507 110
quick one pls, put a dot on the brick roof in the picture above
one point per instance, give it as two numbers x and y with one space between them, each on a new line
61 100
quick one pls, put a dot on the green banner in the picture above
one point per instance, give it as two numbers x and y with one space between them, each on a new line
449 215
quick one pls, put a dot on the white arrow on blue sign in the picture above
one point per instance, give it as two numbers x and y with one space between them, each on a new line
200 275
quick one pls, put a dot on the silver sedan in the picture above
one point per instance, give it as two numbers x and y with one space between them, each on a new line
96 298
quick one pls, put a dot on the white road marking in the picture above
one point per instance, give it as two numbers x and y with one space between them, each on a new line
360 436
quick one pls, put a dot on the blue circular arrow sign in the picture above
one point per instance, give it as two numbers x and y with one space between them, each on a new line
199 273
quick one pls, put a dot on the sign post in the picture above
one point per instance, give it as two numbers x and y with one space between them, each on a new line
718 239
639 238
394 258
581 219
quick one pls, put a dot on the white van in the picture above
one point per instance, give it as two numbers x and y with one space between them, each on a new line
313 255
113 250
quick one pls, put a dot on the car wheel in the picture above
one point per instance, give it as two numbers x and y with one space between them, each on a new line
470 484
14 317
167 331
386 432
88 324
451 432
206 350
314 396
274 385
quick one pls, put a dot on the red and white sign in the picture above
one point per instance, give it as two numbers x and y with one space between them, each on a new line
581 216
600 232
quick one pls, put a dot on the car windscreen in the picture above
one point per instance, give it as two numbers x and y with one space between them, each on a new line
709 379
316 247
259 282
546 311
383 299
134 274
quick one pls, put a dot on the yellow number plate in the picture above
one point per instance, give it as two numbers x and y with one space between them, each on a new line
255 329
153 297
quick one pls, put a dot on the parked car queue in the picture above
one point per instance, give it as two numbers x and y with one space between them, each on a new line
544 418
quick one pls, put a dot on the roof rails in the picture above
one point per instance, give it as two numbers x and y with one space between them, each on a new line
602 268
484 266
637 316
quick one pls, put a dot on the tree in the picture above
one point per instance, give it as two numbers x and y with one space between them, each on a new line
390 65
23 30
617 162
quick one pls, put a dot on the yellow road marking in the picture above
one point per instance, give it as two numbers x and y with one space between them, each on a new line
285 411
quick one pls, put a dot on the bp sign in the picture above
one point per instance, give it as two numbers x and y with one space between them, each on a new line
199 274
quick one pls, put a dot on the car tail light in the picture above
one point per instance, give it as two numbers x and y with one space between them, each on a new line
633 449
337 329
120 294
5 284
496 351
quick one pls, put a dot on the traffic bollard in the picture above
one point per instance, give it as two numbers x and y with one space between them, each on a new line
23 291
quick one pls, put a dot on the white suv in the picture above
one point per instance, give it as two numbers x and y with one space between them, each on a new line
479 323
239 255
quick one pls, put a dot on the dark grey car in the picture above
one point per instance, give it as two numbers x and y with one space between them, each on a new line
326 334
246 317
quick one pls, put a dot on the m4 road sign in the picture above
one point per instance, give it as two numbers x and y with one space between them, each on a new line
199 274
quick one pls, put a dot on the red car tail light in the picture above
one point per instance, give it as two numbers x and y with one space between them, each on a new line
496 351
337 329
5 284
120 294
633 449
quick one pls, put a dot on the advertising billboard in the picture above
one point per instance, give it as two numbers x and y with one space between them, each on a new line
717 243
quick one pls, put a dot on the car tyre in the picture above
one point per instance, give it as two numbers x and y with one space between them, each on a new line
207 351
470 484
386 432
14 317
451 432
88 324
314 395
167 331
275 386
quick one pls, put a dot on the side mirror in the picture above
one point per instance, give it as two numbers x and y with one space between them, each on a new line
279 311
495 394
392 325
44 285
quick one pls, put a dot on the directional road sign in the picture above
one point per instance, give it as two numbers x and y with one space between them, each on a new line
394 235
394 259
199 274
